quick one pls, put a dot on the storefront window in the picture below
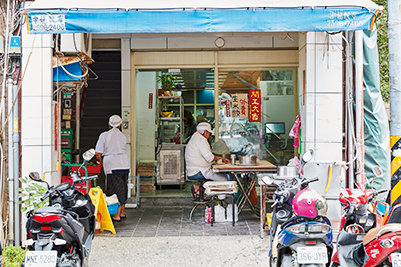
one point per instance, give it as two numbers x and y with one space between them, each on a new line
256 112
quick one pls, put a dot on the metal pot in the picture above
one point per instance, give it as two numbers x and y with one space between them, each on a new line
286 171
248 159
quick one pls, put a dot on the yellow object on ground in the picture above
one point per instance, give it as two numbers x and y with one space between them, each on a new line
101 211
269 219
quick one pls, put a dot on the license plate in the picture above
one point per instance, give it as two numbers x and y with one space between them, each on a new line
312 255
395 259
41 258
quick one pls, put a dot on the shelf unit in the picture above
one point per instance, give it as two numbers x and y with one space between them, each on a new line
170 148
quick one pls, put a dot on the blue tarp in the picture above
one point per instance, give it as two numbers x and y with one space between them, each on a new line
60 75
377 130
197 20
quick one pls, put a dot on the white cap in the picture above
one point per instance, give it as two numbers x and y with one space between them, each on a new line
204 126
115 121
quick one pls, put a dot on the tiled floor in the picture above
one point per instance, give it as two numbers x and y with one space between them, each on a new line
174 221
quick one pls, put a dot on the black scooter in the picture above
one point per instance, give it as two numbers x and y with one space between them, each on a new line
61 234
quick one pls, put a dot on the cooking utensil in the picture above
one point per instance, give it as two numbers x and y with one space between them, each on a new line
286 171
248 160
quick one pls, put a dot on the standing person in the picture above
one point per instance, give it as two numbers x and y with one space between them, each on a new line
189 125
111 145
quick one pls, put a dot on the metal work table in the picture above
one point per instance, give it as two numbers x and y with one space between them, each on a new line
251 171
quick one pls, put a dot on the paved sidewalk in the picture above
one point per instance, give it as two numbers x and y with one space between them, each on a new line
185 251
166 237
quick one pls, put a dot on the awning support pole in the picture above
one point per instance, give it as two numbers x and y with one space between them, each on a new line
395 96
360 172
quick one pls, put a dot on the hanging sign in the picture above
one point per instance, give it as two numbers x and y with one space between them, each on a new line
240 105
150 105
228 109
254 105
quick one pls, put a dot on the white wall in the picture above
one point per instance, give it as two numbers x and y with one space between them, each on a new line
321 103
320 56
37 110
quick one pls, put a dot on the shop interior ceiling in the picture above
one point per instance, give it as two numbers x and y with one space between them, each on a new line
228 80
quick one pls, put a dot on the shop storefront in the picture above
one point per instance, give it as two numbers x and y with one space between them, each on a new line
292 53
209 89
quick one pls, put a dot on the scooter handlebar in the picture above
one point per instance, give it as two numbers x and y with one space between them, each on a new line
84 179
311 180
45 196
280 200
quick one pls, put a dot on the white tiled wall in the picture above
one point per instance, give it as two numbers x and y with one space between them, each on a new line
37 133
321 106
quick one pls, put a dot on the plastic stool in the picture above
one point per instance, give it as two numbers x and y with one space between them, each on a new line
201 201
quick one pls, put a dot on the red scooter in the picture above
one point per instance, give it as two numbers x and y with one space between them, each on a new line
382 246
355 223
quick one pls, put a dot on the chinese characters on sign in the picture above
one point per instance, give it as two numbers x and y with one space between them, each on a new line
150 104
228 114
240 105
48 23
254 105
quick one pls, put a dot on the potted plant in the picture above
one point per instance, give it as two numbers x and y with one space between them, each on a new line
167 81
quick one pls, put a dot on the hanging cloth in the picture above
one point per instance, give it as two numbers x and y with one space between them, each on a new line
295 130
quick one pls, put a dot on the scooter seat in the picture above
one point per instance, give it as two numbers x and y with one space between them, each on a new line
376 232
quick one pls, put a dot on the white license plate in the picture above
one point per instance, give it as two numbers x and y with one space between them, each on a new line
312 255
41 258
395 259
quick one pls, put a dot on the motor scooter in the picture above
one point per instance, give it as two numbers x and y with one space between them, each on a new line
300 232
61 234
381 246
357 220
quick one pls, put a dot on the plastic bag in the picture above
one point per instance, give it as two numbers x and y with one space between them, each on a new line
219 213
111 199
294 162
230 212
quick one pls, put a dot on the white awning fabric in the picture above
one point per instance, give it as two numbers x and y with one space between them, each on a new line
177 16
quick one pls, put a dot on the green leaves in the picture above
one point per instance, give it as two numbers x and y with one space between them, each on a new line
13 256
382 44
167 81
30 194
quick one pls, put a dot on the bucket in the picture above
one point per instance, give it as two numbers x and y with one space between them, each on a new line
113 208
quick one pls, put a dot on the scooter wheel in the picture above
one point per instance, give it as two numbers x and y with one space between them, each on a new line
272 262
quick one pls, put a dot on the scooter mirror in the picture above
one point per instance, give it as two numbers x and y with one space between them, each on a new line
307 156
344 192
88 155
267 180
377 171
35 176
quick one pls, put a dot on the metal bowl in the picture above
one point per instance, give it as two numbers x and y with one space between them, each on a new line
248 159
286 171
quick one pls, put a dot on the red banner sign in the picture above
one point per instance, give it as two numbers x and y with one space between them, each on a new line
150 105
228 108
254 105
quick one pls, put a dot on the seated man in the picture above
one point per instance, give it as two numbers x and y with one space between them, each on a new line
199 156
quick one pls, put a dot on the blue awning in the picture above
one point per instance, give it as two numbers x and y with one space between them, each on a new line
191 16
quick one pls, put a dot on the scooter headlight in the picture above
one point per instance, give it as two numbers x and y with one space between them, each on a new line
312 228
386 243
296 229
318 228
